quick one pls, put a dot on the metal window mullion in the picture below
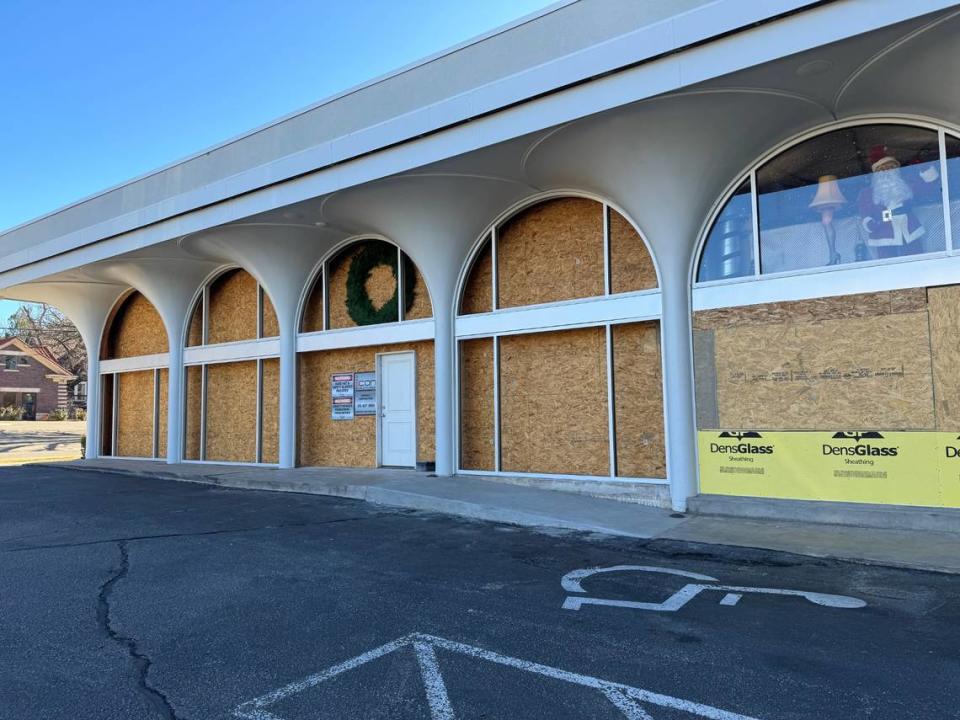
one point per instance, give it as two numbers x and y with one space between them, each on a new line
259 311
203 412
945 191
401 280
326 295
156 412
114 415
494 271
611 410
496 405
755 221
259 451
607 262
205 316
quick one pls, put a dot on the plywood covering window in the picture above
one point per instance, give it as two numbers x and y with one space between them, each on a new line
477 436
270 411
638 400
231 412
313 310
135 329
134 410
880 361
193 413
560 249
233 307
353 443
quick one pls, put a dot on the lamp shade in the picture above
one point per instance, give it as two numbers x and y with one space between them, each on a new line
828 193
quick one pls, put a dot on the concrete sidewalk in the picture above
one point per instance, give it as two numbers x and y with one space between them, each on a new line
498 501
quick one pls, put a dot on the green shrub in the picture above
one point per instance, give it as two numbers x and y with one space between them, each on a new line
83 446
79 414
58 414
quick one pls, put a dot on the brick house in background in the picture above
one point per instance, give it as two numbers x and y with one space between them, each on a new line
31 378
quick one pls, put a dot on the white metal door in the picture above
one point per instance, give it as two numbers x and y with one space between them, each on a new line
398 410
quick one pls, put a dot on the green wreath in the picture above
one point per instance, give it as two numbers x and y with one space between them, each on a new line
359 305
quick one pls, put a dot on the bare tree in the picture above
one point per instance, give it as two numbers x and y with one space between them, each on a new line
43 325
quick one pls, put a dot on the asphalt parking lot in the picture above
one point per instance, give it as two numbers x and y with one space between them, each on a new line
135 598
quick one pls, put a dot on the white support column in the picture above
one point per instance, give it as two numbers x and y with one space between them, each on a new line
175 395
444 379
93 402
681 429
288 389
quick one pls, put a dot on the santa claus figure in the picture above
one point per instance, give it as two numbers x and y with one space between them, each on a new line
887 207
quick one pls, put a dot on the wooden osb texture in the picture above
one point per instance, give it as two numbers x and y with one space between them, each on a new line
312 320
232 412
638 400
860 361
135 414
551 252
233 308
420 307
553 402
271 328
163 379
353 443
270 440
195 333
135 329
478 289
476 405
192 412
631 267
944 309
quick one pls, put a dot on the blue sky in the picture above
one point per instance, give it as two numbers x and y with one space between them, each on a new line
98 92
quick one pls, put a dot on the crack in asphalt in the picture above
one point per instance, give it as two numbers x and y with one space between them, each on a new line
141 662
165 536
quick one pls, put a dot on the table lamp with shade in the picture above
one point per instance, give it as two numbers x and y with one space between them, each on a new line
828 198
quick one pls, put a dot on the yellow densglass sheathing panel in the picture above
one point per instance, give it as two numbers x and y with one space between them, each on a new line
192 412
135 414
270 439
232 412
478 289
638 400
135 329
477 450
553 402
550 252
233 308
163 398
631 267
353 443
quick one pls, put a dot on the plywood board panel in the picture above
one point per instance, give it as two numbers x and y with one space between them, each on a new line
106 415
312 320
638 400
163 390
631 267
553 390
195 333
829 308
193 412
476 405
352 443
232 412
551 252
271 328
944 309
478 289
233 308
420 307
381 285
270 439
135 329
855 372
135 414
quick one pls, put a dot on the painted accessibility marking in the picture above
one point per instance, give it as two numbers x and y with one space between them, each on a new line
571 582
633 702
